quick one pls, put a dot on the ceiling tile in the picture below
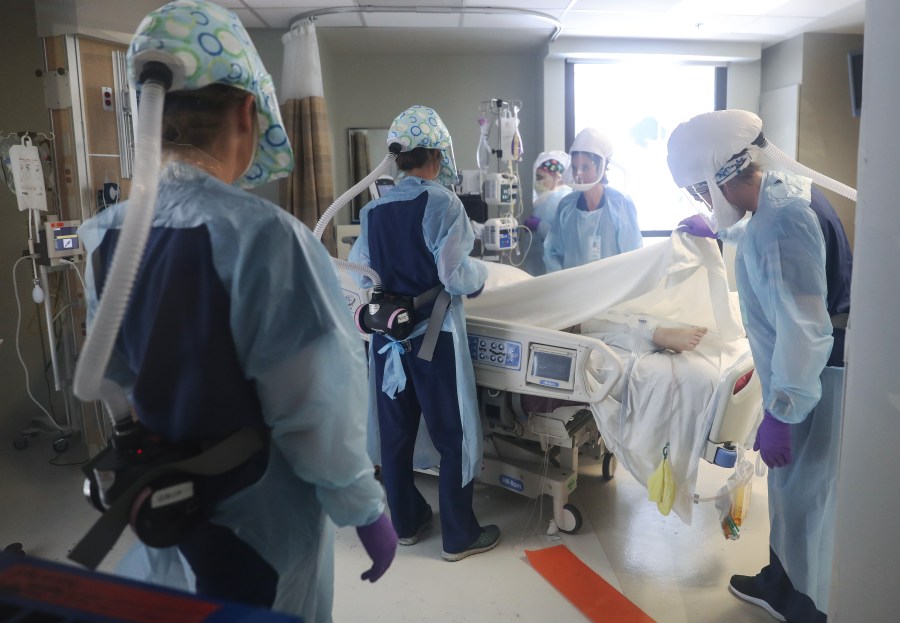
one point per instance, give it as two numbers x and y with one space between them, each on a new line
814 8
619 24
502 20
627 6
412 20
542 6
410 3
702 8
758 26
248 19
591 18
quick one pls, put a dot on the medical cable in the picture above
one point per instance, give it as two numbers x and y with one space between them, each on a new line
527 249
745 471
779 157
37 293
74 265
535 504
90 382
50 418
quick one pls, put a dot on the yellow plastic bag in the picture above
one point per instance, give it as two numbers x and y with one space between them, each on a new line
661 485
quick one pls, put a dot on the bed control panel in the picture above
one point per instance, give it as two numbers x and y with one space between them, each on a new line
491 351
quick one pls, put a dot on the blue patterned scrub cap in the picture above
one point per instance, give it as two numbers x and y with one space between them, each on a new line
420 126
204 44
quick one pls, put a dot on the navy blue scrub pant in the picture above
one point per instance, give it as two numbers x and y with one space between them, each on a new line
430 392
779 591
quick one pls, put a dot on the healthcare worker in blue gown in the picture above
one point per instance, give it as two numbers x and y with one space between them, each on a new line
792 267
237 320
595 221
418 239
549 189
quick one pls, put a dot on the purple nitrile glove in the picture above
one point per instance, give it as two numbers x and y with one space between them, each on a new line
696 225
532 223
380 540
773 440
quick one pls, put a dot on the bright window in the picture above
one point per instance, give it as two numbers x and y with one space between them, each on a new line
637 104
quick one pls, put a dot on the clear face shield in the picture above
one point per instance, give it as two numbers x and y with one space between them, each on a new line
702 201
585 171
699 194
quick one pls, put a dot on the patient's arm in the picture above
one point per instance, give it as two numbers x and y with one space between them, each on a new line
678 338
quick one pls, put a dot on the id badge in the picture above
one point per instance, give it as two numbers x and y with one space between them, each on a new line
594 249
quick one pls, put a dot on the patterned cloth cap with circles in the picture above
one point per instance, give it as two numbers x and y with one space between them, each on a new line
204 44
420 126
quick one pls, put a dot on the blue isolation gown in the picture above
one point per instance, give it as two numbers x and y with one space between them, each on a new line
781 278
578 236
237 319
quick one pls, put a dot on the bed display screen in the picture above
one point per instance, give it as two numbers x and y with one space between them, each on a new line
551 366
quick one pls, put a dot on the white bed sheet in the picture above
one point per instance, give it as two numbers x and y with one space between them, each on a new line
681 281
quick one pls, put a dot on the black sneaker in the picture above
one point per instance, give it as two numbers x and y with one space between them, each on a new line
744 587
412 540
490 536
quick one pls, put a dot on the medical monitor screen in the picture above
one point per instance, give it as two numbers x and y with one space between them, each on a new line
62 239
551 367
65 239
383 185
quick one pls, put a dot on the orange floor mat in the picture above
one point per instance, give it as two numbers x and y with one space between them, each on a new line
598 600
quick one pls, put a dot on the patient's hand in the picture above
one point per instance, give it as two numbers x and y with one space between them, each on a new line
679 338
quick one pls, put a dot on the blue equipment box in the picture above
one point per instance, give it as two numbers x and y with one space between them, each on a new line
38 590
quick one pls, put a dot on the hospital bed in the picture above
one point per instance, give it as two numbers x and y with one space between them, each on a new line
545 394
536 389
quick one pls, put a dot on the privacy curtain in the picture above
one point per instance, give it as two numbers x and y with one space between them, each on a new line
309 190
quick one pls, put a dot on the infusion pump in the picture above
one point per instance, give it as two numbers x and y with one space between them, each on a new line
59 239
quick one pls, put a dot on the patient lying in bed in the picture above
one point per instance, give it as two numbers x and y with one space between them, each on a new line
667 312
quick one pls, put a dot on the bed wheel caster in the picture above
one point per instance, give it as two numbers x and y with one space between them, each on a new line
61 445
609 465
571 519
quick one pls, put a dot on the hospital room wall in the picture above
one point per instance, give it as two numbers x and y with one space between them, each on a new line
806 81
367 88
357 89
867 549
21 109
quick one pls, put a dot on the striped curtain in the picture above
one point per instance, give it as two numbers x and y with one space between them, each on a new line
309 190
